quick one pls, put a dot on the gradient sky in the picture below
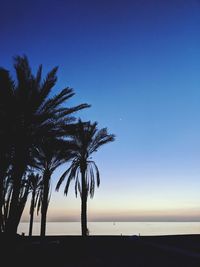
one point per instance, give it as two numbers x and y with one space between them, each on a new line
138 64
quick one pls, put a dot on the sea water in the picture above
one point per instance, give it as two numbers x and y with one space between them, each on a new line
115 228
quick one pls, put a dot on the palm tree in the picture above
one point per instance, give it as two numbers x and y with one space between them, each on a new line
50 155
35 183
6 93
87 140
29 113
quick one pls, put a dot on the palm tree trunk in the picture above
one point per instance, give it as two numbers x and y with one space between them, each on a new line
19 168
1 203
84 216
44 207
84 229
11 224
32 213
21 205
3 169
13 217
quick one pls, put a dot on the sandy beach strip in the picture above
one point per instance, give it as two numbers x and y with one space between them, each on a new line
75 251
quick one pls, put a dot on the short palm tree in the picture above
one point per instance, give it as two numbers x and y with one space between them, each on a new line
87 140
51 154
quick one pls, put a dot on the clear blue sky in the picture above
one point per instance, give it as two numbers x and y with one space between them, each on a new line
138 64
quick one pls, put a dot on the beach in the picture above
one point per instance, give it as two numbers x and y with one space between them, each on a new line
75 251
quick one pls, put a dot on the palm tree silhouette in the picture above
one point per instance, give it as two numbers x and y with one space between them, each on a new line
6 94
29 113
35 184
51 154
87 140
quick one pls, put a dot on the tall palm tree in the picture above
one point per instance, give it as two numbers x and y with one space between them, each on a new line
6 93
29 113
87 140
35 183
51 154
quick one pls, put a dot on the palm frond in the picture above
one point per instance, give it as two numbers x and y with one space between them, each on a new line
97 173
71 176
56 100
23 71
38 77
62 178
101 138
46 88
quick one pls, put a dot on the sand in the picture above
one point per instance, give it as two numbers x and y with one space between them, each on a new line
75 251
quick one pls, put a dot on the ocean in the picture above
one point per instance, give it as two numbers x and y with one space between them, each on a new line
115 228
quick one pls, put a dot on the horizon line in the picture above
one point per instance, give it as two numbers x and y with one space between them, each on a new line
148 221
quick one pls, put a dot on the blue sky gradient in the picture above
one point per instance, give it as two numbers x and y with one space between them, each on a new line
138 64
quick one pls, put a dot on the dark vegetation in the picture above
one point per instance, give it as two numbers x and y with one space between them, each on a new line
39 133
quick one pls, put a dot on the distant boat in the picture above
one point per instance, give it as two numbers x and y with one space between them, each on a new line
113 223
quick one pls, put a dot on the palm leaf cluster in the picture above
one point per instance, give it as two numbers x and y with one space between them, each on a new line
74 173
87 139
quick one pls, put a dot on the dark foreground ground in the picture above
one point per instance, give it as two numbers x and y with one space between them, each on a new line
74 251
